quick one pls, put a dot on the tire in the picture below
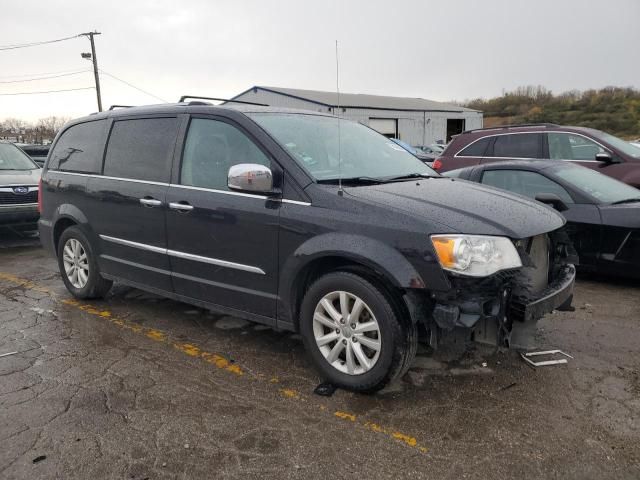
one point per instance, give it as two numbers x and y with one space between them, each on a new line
91 284
396 336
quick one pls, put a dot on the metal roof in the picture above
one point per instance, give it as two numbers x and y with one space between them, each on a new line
358 100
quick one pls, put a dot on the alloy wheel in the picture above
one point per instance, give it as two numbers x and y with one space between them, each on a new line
347 333
76 263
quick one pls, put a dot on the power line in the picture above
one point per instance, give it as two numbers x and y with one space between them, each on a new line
35 44
44 78
37 74
47 91
133 86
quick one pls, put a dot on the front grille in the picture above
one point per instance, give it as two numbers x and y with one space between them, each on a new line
10 198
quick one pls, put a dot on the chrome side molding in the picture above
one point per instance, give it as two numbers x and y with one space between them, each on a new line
215 261
184 255
129 243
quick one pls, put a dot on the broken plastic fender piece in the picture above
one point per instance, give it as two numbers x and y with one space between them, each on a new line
544 363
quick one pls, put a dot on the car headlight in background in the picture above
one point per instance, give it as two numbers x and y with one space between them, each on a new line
475 255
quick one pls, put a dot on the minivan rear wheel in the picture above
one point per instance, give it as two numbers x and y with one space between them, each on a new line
78 266
354 336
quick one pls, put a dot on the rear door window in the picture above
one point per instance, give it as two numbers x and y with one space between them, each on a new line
518 145
211 148
525 183
141 149
80 148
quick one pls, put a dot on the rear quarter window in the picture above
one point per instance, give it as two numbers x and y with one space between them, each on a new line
80 148
475 149
141 149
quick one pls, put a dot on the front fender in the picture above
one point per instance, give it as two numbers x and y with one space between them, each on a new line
367 251
371 253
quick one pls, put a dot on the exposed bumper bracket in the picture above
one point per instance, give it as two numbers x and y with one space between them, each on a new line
544 363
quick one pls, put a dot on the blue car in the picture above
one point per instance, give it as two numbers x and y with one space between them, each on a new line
425 157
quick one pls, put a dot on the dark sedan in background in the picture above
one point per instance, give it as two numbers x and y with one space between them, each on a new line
38 153
603 214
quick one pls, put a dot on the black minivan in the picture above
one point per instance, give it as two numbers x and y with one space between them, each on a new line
302 221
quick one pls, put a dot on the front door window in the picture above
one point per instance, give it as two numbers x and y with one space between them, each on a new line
568 146
212 147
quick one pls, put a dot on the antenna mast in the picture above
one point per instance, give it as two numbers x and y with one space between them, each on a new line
340 192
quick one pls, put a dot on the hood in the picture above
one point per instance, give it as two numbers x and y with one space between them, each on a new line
464 207
19 177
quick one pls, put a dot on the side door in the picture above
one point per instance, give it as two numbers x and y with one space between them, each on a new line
127 203
584 225
515 146
222 244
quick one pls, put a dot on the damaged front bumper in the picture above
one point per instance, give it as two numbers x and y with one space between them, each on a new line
495 311
556 295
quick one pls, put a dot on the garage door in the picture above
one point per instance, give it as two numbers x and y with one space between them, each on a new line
386 126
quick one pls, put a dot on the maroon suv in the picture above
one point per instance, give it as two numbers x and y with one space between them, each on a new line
585 146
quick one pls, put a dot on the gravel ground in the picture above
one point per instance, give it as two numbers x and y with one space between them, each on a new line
138 387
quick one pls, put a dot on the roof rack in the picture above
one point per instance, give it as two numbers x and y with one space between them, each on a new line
113 107
515 125
184 97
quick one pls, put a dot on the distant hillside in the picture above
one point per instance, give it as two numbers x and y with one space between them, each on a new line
612 109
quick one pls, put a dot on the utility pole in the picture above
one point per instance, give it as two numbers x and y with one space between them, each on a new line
95 65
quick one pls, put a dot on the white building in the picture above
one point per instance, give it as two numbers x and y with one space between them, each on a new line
415 121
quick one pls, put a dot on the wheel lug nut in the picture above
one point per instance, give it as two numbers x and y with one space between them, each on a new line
344 342
342 321
353 325
337 330
354 339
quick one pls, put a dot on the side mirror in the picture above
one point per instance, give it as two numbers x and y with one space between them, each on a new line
250 177
604 157
552 199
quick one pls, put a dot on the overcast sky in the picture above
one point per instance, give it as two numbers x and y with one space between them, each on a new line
441 50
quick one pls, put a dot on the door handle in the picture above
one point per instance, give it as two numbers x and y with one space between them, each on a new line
181 206
150 202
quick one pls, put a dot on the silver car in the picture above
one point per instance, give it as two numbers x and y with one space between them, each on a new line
19 179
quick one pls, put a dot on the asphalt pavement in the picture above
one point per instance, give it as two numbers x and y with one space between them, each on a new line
138 387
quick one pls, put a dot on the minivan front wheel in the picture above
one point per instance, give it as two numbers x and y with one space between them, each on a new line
78 266
353 334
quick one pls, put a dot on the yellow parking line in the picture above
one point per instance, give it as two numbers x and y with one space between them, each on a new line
214 359
159 336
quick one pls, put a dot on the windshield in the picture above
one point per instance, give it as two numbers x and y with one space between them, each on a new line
618 143
313 141
603 188
12 158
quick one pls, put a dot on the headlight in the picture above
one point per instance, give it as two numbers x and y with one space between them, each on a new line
475 255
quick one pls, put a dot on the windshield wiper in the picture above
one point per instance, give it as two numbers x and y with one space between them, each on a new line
408 177
628 200
352 180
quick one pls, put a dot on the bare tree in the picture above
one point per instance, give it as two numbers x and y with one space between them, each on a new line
49 126
15 125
